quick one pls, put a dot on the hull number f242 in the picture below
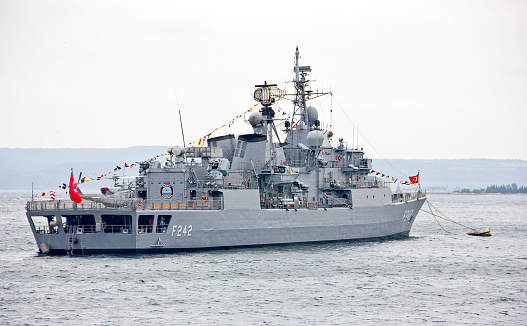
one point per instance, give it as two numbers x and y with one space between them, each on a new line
182 230
408 214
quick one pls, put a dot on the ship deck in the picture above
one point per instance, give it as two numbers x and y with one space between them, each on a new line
138 205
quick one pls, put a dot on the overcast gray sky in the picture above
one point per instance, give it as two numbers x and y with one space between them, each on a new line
421 79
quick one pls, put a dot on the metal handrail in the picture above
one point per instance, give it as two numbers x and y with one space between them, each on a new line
126 204
158 204
196 204
398 198
46 205
83 228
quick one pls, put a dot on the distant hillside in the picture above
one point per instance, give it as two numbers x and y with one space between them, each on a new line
462 173
48 168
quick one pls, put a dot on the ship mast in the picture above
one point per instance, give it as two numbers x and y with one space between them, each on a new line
302 94
267 94
300 86
300 117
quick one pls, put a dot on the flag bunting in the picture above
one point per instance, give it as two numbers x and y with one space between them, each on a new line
413 179
201 141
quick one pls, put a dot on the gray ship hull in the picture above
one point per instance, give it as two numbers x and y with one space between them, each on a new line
249 189
202 229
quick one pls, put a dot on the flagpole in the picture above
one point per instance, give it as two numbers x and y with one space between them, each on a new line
419 179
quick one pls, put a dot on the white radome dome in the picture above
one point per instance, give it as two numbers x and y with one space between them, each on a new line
175 150
256 119
315 138
312 115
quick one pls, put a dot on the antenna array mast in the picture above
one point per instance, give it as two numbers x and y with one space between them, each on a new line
302 94
300 120
267 94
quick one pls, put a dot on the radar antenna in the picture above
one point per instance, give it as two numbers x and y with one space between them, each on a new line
267 94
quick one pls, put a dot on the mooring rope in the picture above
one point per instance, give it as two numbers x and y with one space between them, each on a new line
444 217
434 217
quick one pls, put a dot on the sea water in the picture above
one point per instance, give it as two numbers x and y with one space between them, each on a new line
431 277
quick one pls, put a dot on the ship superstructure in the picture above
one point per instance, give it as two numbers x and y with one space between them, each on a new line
240 190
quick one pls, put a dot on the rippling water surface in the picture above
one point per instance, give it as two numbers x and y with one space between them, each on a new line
432 277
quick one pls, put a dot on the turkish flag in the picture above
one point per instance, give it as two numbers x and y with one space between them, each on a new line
74 194
414 179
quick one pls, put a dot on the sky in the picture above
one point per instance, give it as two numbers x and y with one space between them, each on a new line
418 79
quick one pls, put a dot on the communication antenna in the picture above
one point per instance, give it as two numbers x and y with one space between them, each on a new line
330 110
180 121
182 133
357 143
353 137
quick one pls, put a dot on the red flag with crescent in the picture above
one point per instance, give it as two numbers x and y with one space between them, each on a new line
74 193
414 179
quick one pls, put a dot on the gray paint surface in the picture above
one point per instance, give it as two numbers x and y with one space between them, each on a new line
242 227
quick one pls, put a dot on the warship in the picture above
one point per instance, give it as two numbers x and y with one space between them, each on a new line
240 190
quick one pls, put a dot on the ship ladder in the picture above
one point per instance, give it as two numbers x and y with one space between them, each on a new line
70 239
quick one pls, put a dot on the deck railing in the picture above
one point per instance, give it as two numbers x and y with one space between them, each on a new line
398 198
45 230
48 205
81 229
155 204
209 204
125 204
84 229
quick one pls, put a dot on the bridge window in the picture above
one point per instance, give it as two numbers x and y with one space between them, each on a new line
162 223
144 223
